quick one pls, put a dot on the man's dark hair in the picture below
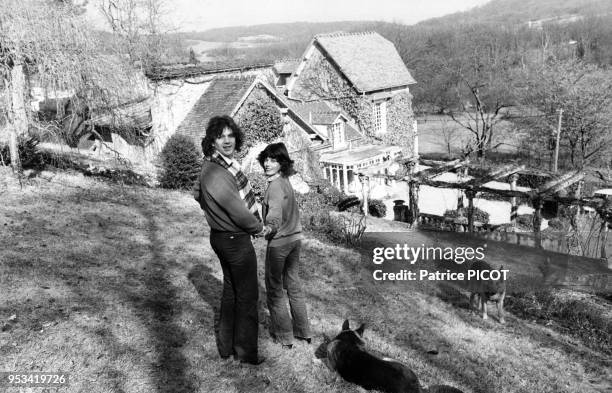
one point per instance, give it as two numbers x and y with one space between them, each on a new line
278 152
214 130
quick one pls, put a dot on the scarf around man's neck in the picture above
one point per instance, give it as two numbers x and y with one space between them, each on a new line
244 187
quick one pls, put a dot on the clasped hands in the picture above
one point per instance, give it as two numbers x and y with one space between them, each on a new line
264 232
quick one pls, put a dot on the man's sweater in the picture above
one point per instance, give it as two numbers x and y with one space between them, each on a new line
281 212
218 195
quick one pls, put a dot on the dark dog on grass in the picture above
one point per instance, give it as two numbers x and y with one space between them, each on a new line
347 355
487 290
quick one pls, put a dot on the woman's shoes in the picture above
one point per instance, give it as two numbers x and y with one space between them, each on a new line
287 346
308 340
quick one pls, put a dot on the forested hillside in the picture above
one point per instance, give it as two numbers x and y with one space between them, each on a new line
283 31
520 11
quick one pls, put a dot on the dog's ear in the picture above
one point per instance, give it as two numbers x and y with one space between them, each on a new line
360 330
345 325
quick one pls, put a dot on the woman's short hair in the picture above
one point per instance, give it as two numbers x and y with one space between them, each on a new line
278 152
214 130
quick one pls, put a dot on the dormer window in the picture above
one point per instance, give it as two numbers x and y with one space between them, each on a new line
379 117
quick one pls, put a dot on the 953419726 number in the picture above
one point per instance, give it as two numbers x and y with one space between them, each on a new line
34 379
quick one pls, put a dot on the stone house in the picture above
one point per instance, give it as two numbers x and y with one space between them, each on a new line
363 75
364 67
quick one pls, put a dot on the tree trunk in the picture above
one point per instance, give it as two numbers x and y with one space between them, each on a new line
18 117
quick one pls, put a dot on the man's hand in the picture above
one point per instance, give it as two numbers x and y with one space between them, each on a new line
264 232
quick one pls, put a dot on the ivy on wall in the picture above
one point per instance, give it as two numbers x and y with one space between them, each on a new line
400 122
320 80
260 119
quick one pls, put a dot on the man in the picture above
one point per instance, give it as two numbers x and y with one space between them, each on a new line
226 197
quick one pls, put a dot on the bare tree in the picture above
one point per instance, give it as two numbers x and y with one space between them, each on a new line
484 85
584 92
140 29
449 134
48 44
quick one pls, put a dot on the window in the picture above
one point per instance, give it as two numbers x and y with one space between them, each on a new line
337 134
379 118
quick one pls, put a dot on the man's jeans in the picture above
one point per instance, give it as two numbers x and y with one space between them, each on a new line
282 274
236 326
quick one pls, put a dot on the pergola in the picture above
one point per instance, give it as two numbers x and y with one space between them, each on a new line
471 186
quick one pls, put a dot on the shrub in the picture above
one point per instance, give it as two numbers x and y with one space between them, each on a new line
479 214
181 163
451 213
259 184
525 222
260 120
29 154
577 316
376 208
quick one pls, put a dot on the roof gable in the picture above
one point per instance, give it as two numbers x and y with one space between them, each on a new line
222 97
317 112
225 96
368 60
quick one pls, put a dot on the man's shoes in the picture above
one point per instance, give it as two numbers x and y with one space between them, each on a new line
308 340
255 362
287 346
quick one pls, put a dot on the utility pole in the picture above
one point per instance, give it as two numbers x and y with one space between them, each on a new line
558 137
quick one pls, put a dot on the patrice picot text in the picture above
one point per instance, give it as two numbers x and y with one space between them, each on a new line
413 255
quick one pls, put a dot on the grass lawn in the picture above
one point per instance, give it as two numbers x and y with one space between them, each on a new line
118 287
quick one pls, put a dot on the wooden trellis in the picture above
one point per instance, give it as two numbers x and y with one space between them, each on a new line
546 192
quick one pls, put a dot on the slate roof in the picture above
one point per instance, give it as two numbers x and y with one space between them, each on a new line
130 115
221 98
368 60
316 112
189 70
323 113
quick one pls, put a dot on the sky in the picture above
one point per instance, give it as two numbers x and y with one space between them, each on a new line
200 15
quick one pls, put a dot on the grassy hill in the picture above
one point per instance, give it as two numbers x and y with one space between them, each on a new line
118 286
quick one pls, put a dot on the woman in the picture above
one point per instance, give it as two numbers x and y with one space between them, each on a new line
281 214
